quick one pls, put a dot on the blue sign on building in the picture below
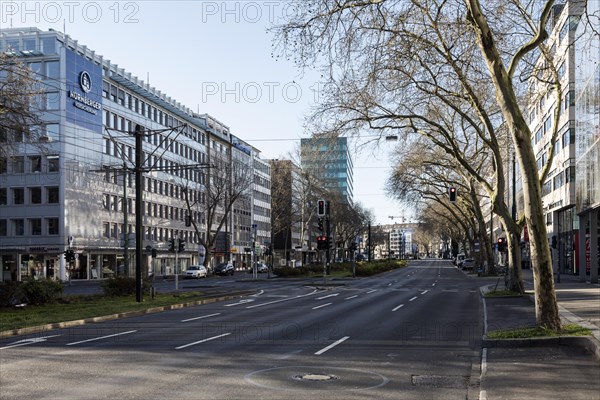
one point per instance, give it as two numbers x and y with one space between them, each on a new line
84 92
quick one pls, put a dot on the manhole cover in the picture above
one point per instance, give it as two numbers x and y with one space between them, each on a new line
304 378
316 377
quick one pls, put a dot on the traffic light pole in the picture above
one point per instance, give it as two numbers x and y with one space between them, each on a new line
139 235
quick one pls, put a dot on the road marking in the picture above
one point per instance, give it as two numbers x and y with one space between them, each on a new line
371 291
278 301
400 306
258 294
351 297
332 345
246 301
329 295
413 298
322 305
204 316
202 341
26 342
424 292
101 337
433 284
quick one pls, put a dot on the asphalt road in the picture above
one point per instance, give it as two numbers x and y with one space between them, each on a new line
409 334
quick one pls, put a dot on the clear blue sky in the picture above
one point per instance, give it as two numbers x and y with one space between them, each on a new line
214 57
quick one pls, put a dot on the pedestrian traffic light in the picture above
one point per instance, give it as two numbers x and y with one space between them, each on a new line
501 244
452 194
181 246
321 224
321 208
172 245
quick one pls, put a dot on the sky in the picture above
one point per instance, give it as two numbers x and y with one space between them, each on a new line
214 57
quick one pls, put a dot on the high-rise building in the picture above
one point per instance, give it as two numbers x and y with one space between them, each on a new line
329 160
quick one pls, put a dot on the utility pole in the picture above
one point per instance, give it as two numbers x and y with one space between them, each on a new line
139 210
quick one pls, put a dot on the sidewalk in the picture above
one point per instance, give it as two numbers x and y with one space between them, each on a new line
544 368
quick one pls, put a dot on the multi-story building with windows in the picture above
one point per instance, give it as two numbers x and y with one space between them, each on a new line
558 190
329 160
75 190
587 138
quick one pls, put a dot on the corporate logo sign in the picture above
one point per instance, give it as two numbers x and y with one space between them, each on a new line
84 87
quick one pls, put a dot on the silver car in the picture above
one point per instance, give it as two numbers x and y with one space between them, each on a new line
196 271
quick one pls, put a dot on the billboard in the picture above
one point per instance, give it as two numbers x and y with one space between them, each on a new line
84 92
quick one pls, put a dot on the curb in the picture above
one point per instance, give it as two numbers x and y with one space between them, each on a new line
111 317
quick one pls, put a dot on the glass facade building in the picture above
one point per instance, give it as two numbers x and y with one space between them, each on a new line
587 100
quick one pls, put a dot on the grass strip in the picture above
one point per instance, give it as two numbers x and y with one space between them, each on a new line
534 332
502 293
81 307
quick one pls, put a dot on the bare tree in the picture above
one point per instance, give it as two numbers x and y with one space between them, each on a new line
438 69
19 114
227 182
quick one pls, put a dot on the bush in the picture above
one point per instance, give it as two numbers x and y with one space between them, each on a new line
11 294
123 286
40 292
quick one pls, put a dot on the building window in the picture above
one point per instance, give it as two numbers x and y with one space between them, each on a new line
106 229
35 195
3 197
35 163
3 166
52 193
53 69
18 227
52 100
18 196
35 225
18 165
3 228
52 226
53 165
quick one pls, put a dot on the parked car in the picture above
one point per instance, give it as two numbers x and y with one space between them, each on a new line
468 264
225 268
261 268
459 259
196 271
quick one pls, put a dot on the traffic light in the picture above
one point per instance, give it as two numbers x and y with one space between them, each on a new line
188 220
69 255
352 247
328 243
172 245
153 253
320 208
321 224
452 194
501 244
321 242
554 242
181 246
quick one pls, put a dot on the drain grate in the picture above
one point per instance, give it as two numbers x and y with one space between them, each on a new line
439 381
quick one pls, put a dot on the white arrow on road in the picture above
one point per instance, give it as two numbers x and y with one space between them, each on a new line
25 342
329 295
